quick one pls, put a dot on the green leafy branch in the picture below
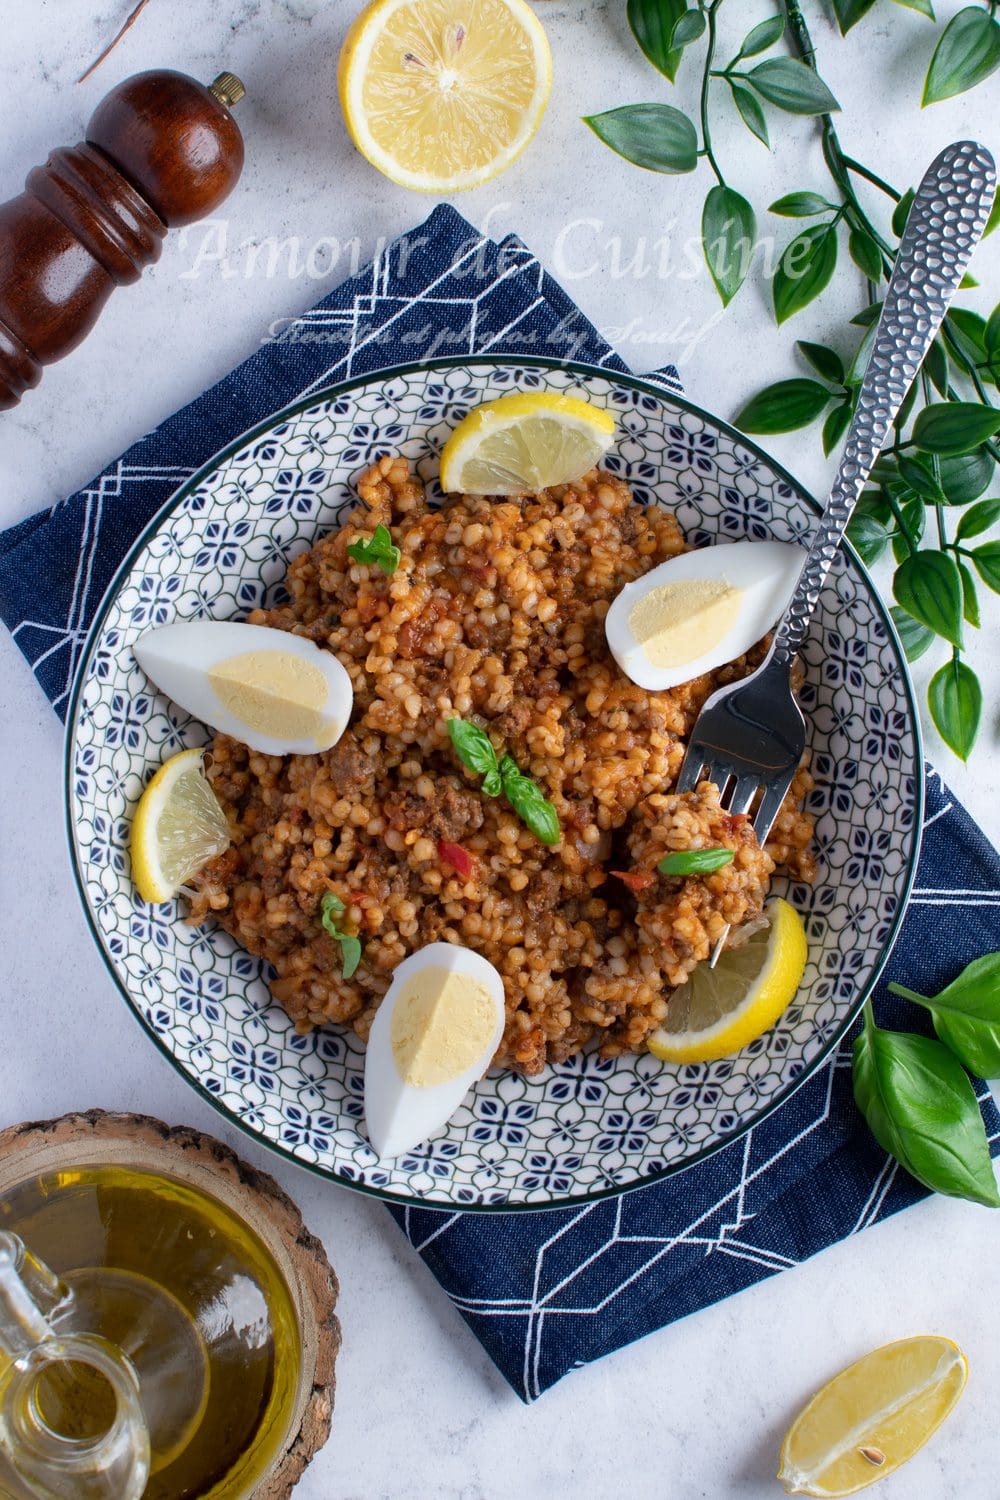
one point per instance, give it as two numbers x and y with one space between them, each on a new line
967 52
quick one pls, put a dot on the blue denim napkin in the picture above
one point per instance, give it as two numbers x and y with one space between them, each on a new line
544 1292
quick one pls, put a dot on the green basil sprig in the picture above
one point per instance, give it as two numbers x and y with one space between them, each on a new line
695 861
378 549
332 908
474 749
921 1108
966 1014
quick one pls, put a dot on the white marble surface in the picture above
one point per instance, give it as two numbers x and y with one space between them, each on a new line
697 1410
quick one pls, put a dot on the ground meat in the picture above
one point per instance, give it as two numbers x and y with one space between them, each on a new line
495 614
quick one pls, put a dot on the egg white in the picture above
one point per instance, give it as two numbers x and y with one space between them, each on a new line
766 572
178 659
399 1116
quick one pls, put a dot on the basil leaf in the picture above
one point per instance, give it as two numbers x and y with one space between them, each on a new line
350 952
901 213
474 749
970 599
954 427
865 254
936 365
687 28
986 561
379 549
729 234
849 12
792 86
800 205
921 1108
525 797
915 638
491 784
976 1044
967 1014
964 478
837 422
978 518
868 537
695 861
750 111
826 362
783 407
655 136
919 479
332 907
331 903
651 23
968 52
928 587
804 269
762 36
955 700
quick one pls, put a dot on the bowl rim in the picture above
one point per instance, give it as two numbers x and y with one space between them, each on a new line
645 386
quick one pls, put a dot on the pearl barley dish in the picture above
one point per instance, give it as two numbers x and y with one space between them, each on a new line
495 615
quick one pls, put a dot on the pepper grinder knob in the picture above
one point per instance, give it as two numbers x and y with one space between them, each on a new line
161 150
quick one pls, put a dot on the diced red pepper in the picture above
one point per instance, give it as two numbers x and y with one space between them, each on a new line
460 859
636 880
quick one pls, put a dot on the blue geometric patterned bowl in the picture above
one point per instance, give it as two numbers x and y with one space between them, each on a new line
588 1127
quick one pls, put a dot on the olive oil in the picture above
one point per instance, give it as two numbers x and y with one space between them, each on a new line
191 1295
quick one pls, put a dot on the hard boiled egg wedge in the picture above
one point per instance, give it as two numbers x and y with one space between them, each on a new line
700 609
278 693
433 1037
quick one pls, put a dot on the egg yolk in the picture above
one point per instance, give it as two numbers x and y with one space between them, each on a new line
442 1023
274 692
678 622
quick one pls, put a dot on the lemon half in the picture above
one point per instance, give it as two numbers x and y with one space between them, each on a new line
720 1010
872 1417
444 94
523 443
178 827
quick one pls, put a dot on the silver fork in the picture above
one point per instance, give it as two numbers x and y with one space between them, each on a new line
752 734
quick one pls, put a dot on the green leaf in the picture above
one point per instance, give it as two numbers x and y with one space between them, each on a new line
923 6
865 254
974 995
849 12
687 28
964 478
901 213
914 513
970 599
928 587
915 638
986 561
750 111
652 22
729 234
350 953
783 407
862 355
936 365
804 270
991 333
977 519
331 907
967 331
789 84
654 136
954 427
826 362
867 316
868 537
837 422
919 478
525 797
762 36
968 52
901 418
994 219
976 1044
955 700
695 861
474 749
921 1108
967 282
800 205
379 550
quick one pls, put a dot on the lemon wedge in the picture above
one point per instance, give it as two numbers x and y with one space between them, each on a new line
178 827
523 443
872 1417
444 94
720 1010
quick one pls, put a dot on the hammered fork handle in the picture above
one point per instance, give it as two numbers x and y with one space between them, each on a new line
948 216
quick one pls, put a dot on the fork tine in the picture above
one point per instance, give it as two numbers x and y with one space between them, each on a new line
770 807
690 772
744 792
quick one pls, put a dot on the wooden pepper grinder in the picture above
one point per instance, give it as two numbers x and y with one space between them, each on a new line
162 150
